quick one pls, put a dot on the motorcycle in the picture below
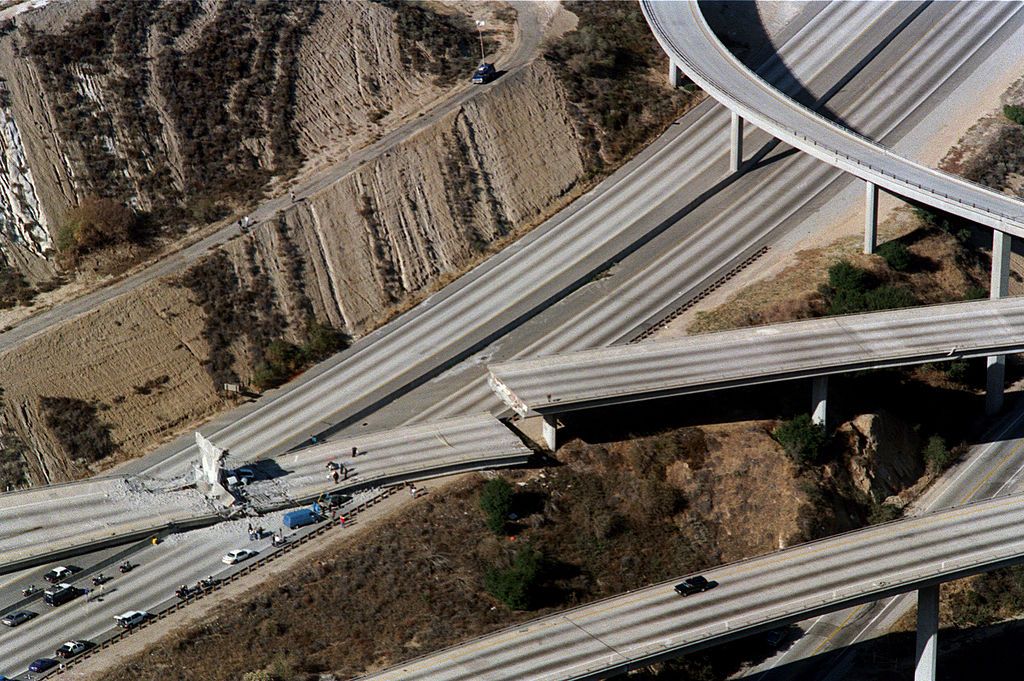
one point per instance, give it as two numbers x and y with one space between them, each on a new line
183 592
29 591
125 567
98 579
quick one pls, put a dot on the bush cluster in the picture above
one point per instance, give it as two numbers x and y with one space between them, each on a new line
496 503
14 289
991 597
852 289
94 224
282 360
896 255
1015 113
802 439
77 427
13 466
516 585
608 66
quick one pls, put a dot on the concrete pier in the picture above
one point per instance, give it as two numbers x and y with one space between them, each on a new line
870 217
819 400
926 653
999 288
735 143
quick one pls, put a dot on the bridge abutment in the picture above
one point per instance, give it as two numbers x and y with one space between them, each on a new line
926 653
735 142
870 217
549 432
999 288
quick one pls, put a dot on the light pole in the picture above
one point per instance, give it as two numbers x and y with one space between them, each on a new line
480 31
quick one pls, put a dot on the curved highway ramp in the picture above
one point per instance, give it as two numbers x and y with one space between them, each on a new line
654 623
760 354
685 35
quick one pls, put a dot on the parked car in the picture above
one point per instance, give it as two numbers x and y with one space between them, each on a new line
42 664
336 499
484 73
72 648
60 594
57 574
127 620
237 556
13 619
692 585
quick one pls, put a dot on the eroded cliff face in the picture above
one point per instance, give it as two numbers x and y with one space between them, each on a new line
433 204
184 109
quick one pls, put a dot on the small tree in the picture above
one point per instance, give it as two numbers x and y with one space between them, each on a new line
936 455
1015 113
496 502
801 438
323 340
515 586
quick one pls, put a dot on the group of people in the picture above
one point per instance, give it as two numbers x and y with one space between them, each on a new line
338 471
255 532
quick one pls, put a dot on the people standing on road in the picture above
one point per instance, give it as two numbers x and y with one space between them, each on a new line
337 477
292 195
355 452
341 521
412 491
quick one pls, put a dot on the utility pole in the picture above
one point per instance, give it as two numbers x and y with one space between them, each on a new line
480 31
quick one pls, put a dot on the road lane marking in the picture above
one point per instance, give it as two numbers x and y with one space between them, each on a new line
853 613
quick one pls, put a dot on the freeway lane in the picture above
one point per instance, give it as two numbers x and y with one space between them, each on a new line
765 206
762 354
686 37
627 631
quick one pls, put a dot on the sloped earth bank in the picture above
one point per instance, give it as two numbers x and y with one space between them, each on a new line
615 515
351 255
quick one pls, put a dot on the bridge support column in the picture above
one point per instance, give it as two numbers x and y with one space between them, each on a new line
735 143
549 431
675 74
870 217
998 288
926 654
819 400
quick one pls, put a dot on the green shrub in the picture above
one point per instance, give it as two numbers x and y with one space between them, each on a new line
1015 113
322 341
802 439
959 371
975 292
496 502
851 289
14 289
896 255
515 586
936 455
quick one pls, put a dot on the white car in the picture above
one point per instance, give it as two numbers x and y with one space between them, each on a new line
237 556
129 619
71 648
